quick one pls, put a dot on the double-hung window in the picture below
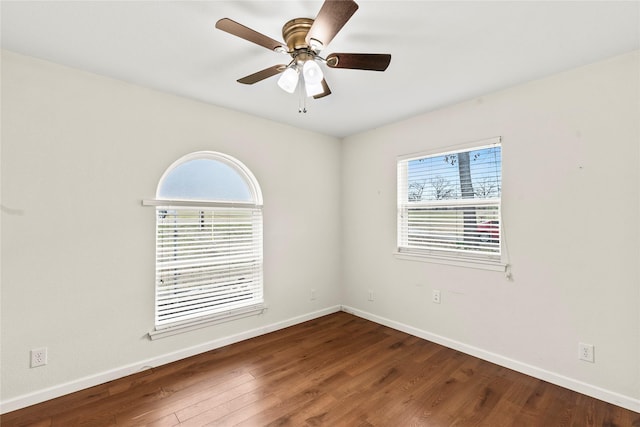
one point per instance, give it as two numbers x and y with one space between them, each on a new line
449 204
209 260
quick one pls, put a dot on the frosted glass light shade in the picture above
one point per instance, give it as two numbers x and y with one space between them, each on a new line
313 89
288 81
312 72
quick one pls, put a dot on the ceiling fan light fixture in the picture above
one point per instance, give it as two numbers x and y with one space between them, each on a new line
312 72
304 38
288 81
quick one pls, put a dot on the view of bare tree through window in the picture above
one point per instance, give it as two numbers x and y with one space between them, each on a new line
452 201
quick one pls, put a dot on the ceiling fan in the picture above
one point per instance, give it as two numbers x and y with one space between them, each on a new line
305 38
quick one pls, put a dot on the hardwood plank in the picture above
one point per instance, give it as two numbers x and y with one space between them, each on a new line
204 402
176 401
238 416
338 370
167 421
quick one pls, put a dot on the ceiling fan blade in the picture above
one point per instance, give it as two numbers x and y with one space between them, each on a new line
262 74
326 91
331 18
239 30
359 61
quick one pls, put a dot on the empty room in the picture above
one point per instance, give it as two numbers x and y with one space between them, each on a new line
336 213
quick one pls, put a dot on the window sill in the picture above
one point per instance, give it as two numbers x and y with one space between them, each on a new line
169 330
482 264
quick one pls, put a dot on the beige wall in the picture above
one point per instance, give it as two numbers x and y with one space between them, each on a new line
571 209
79 153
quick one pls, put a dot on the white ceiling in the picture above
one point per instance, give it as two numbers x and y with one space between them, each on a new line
443 52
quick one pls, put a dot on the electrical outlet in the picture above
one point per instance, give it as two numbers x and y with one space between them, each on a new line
371 295
585 352
38 357
435 296
313 294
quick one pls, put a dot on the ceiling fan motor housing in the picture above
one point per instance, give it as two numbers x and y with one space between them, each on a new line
294 33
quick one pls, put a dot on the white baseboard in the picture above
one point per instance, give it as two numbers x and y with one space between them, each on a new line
617 399
103 377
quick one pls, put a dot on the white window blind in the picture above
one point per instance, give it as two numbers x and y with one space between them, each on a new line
208 261
449 203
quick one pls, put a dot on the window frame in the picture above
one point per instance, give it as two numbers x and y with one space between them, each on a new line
251 208
462 258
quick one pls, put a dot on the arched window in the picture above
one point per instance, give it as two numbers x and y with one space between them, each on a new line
208 243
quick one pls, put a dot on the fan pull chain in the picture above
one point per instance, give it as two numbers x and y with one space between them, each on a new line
302 99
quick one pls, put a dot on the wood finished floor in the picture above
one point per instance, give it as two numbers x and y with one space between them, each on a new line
338 370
